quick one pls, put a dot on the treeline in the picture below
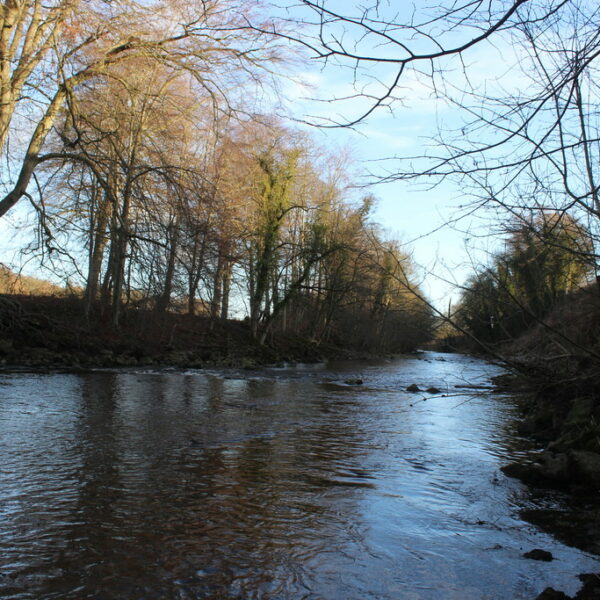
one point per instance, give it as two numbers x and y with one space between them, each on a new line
15 283
137 132
547 258
257 222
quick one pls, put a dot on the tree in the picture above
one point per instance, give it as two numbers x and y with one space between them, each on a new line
543 262
55 49
529 148
381 45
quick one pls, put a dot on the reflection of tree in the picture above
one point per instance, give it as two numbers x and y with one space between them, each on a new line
254 516
90 536
221 488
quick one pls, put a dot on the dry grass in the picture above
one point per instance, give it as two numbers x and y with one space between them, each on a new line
14 283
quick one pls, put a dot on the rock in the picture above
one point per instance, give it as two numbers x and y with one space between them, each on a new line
559 469
586 466
538 554
552 594
550 468
413 387
554 466
433 390
591 587
539 423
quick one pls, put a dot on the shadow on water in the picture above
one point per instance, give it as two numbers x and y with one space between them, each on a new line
277 483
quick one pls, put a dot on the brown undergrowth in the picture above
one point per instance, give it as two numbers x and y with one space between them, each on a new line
51 331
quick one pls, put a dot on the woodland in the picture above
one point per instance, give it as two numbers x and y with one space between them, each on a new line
140 137
143 138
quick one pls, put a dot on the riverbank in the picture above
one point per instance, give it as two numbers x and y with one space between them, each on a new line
564 426
41 332
555 371
561 414
555 368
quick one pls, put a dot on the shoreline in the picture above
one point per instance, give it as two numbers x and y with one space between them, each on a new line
53 333
566 461
38 359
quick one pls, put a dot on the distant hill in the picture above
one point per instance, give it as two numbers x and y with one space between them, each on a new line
13 283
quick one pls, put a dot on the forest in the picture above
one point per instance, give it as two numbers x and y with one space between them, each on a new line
138 135
145 140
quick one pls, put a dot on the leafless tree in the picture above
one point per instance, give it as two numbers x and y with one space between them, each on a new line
49 50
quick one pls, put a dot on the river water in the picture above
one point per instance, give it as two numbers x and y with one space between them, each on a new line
281 483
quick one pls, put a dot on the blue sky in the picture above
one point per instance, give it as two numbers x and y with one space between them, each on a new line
419 216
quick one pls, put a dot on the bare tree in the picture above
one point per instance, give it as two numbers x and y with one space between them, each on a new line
52 49
381 45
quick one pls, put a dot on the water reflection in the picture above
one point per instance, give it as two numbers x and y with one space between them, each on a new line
283 483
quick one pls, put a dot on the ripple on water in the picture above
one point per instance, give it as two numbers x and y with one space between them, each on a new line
279 483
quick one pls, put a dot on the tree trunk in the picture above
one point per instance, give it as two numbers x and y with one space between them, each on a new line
165 297
217 294
226 291
98 241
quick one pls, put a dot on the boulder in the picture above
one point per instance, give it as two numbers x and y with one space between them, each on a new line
586 466
538 554
550 468
554 466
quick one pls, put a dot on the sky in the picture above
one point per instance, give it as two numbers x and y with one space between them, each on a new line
444 244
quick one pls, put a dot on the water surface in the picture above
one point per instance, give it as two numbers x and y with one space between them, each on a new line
273 484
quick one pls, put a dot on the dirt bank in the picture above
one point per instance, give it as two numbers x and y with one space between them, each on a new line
52 332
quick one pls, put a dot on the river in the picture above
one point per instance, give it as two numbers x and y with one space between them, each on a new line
282 483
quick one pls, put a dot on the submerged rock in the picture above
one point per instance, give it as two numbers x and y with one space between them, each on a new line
552 594
538 554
